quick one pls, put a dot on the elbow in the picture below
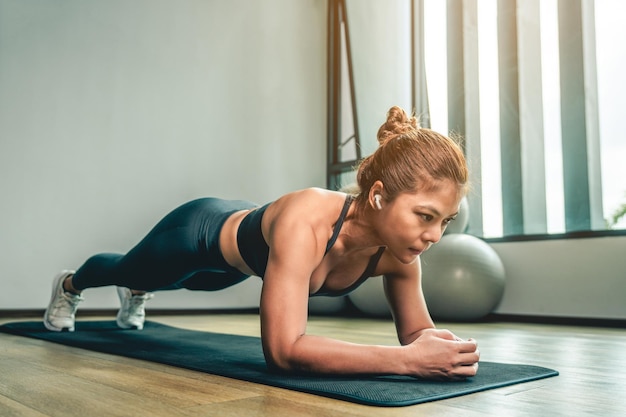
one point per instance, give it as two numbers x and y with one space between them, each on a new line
278 361
284 359
277 367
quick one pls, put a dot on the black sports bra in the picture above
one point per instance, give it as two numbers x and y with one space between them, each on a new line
255 251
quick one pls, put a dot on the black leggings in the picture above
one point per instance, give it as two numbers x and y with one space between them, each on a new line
182 251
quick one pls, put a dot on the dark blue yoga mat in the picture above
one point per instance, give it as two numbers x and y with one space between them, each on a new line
241 357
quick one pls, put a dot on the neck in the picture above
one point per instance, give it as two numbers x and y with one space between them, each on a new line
358 232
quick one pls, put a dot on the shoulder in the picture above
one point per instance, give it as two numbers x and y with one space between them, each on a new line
315 203
311 195
310 209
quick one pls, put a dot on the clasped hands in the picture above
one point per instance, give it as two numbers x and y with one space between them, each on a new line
439 354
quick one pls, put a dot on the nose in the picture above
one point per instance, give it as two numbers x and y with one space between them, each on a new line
433 234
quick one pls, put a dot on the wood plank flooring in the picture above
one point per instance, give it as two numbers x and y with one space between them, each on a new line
38 378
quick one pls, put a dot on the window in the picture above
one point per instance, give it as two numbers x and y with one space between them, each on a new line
534 88
549 146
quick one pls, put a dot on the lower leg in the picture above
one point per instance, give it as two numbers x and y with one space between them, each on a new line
69 287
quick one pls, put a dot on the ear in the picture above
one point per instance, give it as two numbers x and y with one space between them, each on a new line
376 188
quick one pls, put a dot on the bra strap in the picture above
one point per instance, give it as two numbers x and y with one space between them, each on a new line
339 223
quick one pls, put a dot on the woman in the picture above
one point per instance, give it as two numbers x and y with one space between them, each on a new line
306 243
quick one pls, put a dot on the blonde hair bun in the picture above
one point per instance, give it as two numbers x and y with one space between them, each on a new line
398 123
410 158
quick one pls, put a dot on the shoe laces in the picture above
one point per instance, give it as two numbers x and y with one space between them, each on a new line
136 303
68 300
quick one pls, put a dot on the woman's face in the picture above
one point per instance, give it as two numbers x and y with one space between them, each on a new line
412 222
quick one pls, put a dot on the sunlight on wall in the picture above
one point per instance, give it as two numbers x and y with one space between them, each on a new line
552 117
489 118
436 63
611 58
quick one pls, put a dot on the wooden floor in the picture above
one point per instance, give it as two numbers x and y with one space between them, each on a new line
44 379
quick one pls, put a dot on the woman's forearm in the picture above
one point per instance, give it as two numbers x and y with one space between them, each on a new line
314 354
434 354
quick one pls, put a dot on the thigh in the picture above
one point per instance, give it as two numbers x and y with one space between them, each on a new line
184 244
212 280
166 256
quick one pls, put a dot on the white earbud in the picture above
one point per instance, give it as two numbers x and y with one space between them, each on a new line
377 198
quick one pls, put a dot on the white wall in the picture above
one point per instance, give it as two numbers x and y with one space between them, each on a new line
381 53
565 278
114 112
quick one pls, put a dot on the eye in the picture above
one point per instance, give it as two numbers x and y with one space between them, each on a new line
426 217
449 220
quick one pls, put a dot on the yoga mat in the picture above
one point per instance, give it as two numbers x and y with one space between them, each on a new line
241 357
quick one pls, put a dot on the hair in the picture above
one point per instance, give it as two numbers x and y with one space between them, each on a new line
410 158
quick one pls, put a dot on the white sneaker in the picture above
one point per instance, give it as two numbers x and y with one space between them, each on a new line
132 313
61 311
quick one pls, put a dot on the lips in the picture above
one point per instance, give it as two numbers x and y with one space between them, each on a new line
415 252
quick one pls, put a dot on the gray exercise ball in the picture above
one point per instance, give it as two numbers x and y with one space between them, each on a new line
323 305
459 225
369 298
462 277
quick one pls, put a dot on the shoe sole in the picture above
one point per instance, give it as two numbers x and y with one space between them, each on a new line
55 288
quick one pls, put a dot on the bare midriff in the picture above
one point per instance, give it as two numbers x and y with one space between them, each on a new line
228 242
